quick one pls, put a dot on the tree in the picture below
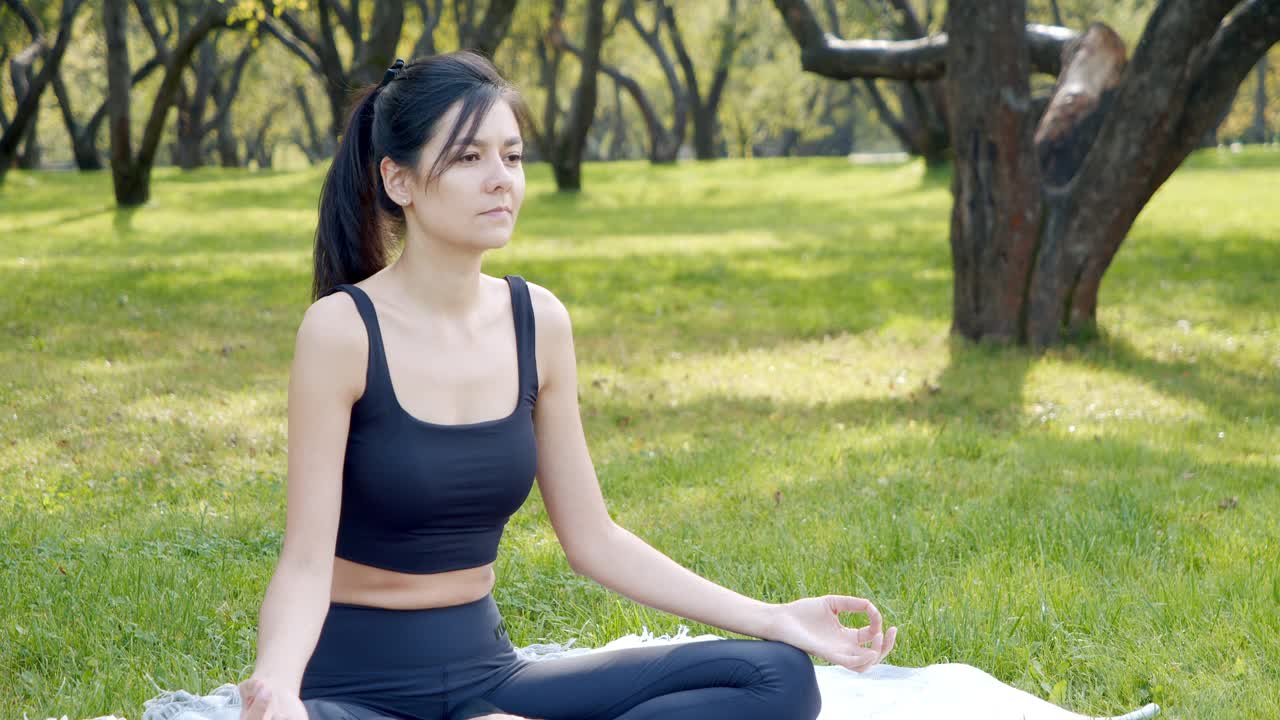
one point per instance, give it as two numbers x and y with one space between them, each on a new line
563 145
131 174
373 51
664 140
706 107
1044 194
29 98
215 80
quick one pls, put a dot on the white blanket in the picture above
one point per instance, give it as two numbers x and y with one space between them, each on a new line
886 692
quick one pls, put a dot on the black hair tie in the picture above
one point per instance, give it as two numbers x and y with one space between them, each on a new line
392 72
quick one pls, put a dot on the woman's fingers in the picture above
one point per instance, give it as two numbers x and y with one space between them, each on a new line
860 660
850 604
889 639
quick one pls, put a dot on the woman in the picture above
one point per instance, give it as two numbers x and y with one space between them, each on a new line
406 460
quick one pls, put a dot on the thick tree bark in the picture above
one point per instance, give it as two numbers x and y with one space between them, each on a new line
1036 225
24 115
997 208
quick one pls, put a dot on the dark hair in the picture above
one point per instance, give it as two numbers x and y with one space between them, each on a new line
358 220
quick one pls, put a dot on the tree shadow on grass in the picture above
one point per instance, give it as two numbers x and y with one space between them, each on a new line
1229 392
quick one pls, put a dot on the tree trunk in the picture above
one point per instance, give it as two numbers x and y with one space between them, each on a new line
1259 132
706 110
82 146
996 212
131 175
617 146
565 148
227 145
192 106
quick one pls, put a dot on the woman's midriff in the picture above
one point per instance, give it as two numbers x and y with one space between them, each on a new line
357 584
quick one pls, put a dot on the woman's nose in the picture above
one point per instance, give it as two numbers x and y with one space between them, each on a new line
500 176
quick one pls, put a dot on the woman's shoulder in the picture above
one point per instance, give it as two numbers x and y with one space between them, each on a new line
549 312
331 329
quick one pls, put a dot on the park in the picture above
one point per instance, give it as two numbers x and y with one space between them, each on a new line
799 372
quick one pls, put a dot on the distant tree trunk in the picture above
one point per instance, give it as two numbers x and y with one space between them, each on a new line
563 147
191 105
225 138
1040 209
1260 133
131 175
83 147
21 76
84 138
24 115
617 147
257 147
706 109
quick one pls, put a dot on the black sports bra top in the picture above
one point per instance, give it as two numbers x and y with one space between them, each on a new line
418 497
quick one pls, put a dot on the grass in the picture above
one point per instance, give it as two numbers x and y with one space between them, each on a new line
770 396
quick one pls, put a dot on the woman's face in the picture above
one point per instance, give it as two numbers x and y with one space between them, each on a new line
458 207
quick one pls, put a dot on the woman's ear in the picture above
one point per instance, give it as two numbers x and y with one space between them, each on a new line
397 181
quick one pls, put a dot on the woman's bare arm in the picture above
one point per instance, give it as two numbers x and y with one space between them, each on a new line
326 377
600 549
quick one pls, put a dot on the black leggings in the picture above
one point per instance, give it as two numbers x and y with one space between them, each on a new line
456 662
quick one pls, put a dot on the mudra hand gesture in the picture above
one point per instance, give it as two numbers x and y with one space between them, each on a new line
813 625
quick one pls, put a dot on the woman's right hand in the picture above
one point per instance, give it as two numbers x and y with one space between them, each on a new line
261 699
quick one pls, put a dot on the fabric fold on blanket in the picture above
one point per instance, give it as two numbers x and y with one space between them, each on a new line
886 692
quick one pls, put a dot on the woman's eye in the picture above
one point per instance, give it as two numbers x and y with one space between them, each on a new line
470 156
514 158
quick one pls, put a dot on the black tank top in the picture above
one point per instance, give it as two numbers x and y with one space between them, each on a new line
418 497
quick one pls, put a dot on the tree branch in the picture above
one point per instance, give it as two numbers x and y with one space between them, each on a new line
150 66
426 44
350 22
215 14
493 27
657 132
22 116
30 20
888 118
149 23
653 39
917 59
1232 53
293 44
233 87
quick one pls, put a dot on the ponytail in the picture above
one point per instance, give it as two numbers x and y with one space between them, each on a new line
350 244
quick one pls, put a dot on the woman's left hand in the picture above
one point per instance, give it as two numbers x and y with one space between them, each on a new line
813 625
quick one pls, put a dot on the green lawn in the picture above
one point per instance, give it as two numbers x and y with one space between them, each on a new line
770 396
